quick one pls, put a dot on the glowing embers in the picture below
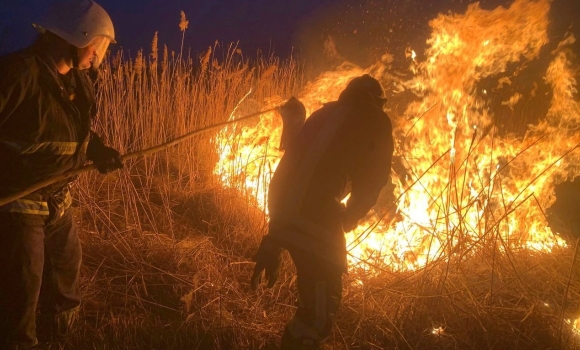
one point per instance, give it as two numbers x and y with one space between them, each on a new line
575 324
438 331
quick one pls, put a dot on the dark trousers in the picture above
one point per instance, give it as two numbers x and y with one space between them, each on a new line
319 296
39 270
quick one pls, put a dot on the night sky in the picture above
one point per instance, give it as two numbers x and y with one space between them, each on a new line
257 24
362 29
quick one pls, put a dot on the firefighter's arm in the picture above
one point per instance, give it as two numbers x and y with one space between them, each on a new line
370 175
105 158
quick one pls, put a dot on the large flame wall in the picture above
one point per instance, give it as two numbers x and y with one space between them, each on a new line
459 182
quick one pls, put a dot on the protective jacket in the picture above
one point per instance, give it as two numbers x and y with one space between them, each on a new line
346 146
45 123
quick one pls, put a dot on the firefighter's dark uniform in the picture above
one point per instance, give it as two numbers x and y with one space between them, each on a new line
345 146
44 131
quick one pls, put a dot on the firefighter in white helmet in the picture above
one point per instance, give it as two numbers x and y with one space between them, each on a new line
344 147
46 108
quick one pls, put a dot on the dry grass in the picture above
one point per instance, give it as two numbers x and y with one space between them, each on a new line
167 249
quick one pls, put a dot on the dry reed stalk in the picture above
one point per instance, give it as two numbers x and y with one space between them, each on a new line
164 236
565 301
183 24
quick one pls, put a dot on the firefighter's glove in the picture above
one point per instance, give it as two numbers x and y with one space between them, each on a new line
267 259
105 158
108 159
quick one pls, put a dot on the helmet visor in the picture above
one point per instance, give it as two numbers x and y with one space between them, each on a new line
100 45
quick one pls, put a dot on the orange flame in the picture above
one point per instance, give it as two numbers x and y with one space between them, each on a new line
462 183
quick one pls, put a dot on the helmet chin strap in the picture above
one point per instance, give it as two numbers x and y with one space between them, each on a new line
74 55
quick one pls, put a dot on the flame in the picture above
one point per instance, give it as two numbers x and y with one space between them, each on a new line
461 182
438 331
249 155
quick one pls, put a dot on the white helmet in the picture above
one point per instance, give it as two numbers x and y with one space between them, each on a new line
80 23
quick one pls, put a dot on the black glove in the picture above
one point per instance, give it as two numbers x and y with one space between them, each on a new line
267 259
105 158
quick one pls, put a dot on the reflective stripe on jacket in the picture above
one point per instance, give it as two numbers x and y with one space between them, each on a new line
26 206
56 148
34 204
38 207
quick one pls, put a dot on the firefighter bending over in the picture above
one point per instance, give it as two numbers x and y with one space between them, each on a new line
46 106
345 146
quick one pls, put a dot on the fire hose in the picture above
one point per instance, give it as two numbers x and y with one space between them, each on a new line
88 167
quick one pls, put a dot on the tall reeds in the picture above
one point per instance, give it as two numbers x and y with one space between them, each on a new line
167 248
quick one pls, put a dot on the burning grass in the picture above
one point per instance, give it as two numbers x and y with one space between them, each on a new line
460 255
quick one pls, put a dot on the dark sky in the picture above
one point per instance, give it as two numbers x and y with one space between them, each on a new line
362 29
265 24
